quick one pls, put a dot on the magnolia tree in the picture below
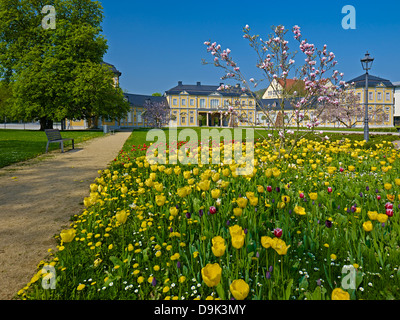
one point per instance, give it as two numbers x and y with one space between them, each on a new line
347 112
156 114
317 77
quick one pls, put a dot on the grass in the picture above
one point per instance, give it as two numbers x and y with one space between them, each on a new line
19 145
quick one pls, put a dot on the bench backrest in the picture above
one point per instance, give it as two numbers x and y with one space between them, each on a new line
53 135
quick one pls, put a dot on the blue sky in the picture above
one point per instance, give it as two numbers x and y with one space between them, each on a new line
155 44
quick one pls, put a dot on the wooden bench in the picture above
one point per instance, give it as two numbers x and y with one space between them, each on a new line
54 136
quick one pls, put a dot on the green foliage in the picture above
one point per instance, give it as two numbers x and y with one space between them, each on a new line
57 73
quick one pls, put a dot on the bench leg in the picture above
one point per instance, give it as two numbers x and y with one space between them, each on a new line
47 147
73 144
62 146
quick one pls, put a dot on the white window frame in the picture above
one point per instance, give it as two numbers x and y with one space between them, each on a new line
214 103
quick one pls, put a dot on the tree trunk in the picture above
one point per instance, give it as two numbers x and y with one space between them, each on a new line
45 124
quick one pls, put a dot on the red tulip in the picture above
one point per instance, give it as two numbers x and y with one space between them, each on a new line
269 189
301 195
389 212
341 169
389 205
378 197
213 210
330 189
278 232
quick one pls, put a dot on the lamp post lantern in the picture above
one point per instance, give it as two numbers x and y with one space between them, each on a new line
366 63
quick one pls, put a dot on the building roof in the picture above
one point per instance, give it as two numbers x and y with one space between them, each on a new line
205 90
373 81
291 82
139 100
113 69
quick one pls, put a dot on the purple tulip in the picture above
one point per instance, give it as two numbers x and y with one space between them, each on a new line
188 215
268 275
328 223
201 212
154 282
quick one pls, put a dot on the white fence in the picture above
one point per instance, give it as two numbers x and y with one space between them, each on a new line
34 126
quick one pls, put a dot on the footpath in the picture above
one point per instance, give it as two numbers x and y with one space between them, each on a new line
37 200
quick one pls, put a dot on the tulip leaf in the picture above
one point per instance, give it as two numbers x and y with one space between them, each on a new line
288 290
116 261
220 291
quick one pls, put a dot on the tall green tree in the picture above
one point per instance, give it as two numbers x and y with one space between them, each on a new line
5 95
56 72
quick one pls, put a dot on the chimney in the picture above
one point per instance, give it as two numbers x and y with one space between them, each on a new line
179 83
198 84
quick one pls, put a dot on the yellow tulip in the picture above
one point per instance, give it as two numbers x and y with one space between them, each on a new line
339 294
215 177
372 215
313 196
173 211
367 226
388 186
285 199
280 246
68 236
266 242
382 218
239 289
260 189
276 172
160 200
218 248
211 274
182 192
121 216
299 210
215 193
235 230
204 185
351 168
242 202
237 212
268 173
238 241
253 201
397 181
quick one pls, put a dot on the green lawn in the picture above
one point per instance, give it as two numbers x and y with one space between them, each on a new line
21 145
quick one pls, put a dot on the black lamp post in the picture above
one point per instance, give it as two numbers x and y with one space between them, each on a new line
367 65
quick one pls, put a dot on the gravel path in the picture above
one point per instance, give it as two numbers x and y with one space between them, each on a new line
37 200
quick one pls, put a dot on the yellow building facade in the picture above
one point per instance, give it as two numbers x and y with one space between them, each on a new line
205 105
381 105
380 100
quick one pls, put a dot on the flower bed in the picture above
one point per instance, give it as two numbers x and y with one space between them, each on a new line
203 232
